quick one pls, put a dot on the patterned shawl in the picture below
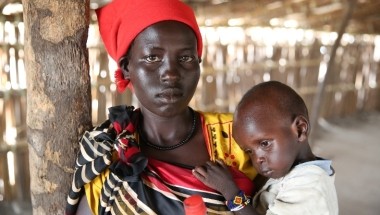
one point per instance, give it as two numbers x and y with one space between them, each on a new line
132 183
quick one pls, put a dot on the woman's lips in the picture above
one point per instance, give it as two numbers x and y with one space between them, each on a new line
170 94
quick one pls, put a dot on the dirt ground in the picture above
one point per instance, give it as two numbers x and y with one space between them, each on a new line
353 144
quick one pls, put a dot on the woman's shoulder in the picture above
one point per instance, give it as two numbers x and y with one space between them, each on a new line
215 117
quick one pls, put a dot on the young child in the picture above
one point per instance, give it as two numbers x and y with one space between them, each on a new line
271 124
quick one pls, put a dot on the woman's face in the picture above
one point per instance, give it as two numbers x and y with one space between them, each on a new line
164 67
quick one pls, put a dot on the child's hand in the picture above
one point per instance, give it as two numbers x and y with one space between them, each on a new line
217 176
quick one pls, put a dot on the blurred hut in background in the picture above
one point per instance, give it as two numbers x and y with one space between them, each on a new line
327 50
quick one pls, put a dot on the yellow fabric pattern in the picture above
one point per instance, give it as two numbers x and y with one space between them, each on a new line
93 190
217 129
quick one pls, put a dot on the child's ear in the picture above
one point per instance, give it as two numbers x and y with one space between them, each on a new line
302 127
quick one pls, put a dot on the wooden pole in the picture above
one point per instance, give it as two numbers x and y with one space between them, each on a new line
318 100
58 95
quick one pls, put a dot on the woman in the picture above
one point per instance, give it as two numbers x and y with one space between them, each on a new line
140 161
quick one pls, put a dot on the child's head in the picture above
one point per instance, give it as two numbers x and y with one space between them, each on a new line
271 124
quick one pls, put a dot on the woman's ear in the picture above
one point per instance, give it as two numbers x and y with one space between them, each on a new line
302 127
123 62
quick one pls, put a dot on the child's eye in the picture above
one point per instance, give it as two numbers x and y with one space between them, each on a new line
186 58
248 151
264 143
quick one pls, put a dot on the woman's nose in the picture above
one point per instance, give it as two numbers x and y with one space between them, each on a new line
170 71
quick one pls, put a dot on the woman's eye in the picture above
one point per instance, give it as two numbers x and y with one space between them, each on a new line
186 58
152 58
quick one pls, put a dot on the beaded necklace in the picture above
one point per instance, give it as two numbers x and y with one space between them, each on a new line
166 148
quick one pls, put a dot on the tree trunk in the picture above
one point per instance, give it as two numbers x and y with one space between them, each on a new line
58 95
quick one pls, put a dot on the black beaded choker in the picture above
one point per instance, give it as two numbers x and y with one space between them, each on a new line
166 148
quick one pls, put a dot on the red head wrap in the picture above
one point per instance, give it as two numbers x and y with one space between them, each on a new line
122 20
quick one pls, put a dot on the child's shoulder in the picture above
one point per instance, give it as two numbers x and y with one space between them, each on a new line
317 167
308 175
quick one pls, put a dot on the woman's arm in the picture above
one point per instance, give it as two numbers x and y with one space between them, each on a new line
83 208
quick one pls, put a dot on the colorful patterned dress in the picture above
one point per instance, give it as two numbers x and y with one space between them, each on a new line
118 179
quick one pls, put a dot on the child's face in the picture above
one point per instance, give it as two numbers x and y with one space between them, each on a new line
269 138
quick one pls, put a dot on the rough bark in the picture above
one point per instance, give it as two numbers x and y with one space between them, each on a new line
58 95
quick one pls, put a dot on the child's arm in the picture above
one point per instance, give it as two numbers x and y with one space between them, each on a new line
217 176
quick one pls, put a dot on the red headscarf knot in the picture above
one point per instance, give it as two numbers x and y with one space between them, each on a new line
121 82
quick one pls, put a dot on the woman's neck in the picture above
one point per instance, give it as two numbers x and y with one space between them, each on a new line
167 131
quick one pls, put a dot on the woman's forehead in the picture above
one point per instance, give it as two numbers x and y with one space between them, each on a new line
169 33
168 27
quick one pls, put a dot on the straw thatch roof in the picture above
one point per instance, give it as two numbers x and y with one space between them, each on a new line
323 15
310 14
